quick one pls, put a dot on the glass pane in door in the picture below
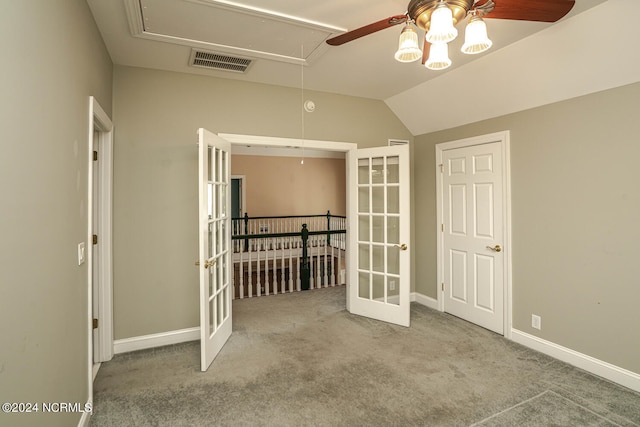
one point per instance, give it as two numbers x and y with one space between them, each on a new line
393 170
377 255
393 290
377 231
363 171
363 228
377 170
364 285
363 199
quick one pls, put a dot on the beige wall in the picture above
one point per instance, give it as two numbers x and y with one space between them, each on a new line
575 212
277 186
53 60
156 115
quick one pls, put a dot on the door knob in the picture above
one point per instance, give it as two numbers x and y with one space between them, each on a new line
496 248
208 263
403 247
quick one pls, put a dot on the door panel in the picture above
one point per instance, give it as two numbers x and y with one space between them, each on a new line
379 257
472 214
215 237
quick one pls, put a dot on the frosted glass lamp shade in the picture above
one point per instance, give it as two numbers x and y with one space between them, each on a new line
475 37
438 57
408 48
441 29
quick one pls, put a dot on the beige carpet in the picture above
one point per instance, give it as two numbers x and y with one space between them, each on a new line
301 359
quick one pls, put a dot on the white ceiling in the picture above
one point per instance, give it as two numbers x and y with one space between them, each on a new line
160 34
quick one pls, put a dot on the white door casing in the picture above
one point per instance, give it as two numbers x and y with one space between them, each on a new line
99 266
474 245
379 225
215 244
396 308
100 255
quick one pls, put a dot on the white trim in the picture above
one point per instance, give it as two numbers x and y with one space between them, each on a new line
96 368
266 151
105 243
98 121
504 139
595 366
156 340
135 18
424 300
270 141
84 419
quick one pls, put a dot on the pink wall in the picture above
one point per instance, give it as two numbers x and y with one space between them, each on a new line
278 186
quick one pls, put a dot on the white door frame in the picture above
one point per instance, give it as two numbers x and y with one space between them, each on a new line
268 141
503 138
243 193
100 134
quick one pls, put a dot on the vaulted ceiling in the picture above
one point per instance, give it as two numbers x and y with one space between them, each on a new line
285 42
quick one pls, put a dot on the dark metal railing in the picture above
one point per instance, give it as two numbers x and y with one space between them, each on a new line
246 229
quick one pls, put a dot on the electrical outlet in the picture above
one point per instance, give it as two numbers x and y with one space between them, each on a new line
536 321
392 285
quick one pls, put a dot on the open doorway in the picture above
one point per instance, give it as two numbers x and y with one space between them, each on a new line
377 188
238 195
379 179
281 190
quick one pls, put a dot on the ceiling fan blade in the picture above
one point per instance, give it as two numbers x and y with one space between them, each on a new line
531 10
425 51
367 29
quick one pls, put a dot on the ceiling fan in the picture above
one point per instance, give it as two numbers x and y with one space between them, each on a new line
438 19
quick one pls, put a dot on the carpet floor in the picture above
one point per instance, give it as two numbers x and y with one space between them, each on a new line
302 360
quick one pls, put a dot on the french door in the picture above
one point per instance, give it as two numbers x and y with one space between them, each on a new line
379 247
215 244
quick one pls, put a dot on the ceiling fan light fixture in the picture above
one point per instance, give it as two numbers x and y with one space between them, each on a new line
408 48
438 57
475 37
441 29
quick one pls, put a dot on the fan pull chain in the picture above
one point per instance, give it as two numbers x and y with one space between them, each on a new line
302 98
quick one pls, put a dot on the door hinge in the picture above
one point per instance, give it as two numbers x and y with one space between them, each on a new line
442 286
441 168
442 228
94 239
95 323
95 156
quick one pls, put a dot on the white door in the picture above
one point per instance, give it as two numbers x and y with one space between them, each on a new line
379 249
473 257
215 244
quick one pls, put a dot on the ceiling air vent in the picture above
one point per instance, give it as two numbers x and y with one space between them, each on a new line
217 61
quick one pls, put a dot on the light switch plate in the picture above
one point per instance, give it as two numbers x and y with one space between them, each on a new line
82 255
536 321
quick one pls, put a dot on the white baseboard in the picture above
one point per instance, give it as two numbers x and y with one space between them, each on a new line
424 300
155 340
595 366
95 368
84 419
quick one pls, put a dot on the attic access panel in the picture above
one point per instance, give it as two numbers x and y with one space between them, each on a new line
230 27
